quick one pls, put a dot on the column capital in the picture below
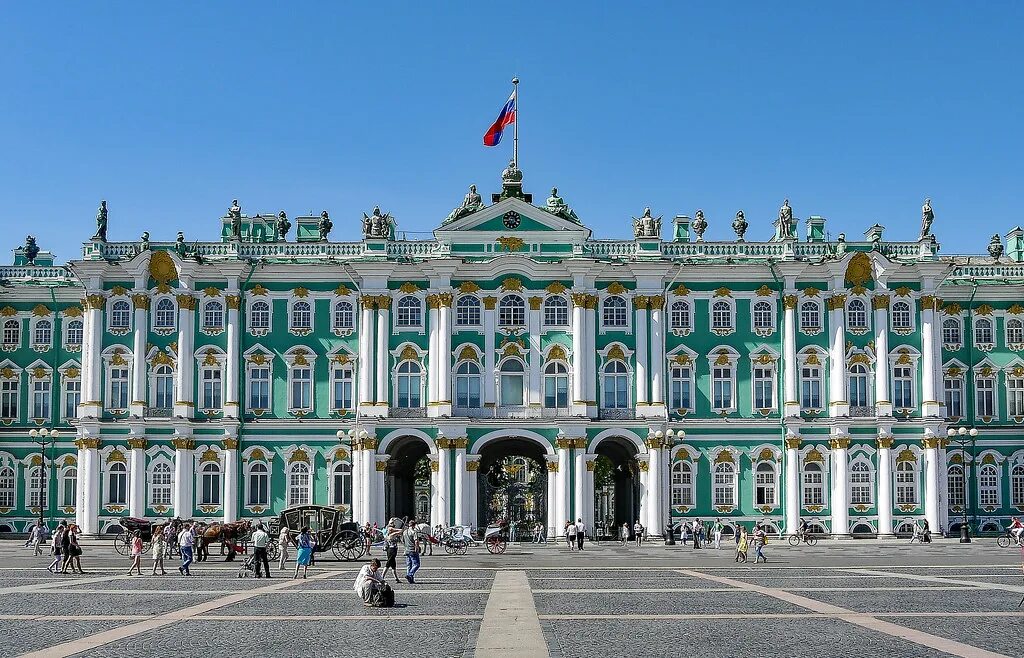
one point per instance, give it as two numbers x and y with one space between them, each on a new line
579 442
535 303
230 444
564 443
186 302
656 302
579 299
472 465
640 302
793 442
233 302
880 302
137 443
930 442
87 444
490 302
884 442
95 302
790 301
836 302
591 464
182 443
368 301
140 301
839 443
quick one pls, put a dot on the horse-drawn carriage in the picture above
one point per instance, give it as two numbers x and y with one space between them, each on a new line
328 527
457 540
496 538
147 530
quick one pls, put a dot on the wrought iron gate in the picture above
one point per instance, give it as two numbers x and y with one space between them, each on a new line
514 489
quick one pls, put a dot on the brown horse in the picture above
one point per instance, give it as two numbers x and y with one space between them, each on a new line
227 534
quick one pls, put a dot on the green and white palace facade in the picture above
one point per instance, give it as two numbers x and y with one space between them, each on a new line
515 366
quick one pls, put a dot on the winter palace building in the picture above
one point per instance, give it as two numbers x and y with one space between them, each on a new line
514 366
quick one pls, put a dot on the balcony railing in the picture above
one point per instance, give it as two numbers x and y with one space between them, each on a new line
616 414
408 412
862 411
158 412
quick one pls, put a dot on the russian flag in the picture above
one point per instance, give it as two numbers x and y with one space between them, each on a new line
506 117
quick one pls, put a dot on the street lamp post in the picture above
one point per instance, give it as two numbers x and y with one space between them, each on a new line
960 436
670 436
43 438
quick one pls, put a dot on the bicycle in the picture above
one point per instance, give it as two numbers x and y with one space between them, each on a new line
807 538
1006 539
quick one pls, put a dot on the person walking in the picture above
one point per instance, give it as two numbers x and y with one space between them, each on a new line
136 553
741 545
65 549
718 533
570 535
37 536
411 542
624 534
260 540
695 529
186 542
391 541
55 547
159 551
73 556
304 543
760 539
638 533
581 533
283 540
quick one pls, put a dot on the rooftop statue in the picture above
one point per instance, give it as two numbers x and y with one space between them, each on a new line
512 174
283 225
101 223
179 245
646 226
557 206
378 226
235 213
740 225
699 224
470 204
324 225
786 220
995 247
144 241
31 250
927 217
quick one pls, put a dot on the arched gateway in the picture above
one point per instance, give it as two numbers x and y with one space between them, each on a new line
512 485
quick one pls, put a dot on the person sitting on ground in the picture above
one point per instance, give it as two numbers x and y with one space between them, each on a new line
1016 529
369 581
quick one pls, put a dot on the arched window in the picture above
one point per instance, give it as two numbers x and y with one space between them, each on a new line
680 315
210 484
302 316
12 332
763 313
814 484
408 377
7 481
160 479
408 312
467 311
259 484
724 487
901 315
988 486
956 486
298 484
117 484
1014 332
35 481
810 316
764 487
613 312
556 311
74 333
213 315
511 383
857 314
951 331
163 387
511 311
858 385
556 386
860 483
259 315
1017 486
120 315
69 487
682 484
721 315
467 385
163 316
906 483
344 317
615 385
43 333
341 484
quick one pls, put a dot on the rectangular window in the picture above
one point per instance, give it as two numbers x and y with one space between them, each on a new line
72 397
955 487
41 398
259 388
764 388
814 488
164 385
1015 396
680 395
118 388
986 397
212 388
556 392
810 388
722 388
342 388
302 388
903 387
9 398
953 390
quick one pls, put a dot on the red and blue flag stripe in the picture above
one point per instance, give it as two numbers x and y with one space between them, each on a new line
506 117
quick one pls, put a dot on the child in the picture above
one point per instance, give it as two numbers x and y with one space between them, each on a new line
55 548
136 553
159 548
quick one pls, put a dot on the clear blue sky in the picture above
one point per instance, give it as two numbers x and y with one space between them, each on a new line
855 111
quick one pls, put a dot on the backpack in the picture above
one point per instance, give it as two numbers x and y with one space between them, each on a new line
384 597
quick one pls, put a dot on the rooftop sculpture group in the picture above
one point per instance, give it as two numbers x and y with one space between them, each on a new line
646 226
378 226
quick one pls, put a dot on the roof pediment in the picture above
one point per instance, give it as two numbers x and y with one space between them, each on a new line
512 217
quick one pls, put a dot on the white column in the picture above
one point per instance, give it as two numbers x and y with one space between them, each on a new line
461 476
380 466
435 492
931 482
579 476
943 486
357 482
370 488
883 405
366 363
433 356
233 361
643 375
589 462
579 347
533 320
231 484
840 502
792 484
91 495
139 380
444 354
488 376
884 474
930 403
590 355
563 493
657 354
838 405
185 374
645 490
184 470
137 477
443 481
655 523
472 466
92 363
553 511
792 401
383 388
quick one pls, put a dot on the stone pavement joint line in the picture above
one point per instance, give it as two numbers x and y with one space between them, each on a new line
510 626
945 580
90 642
860 619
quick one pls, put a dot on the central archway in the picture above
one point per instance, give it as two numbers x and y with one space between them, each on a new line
407 485
616 486
512 485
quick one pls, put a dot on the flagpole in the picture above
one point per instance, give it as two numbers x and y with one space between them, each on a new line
515 125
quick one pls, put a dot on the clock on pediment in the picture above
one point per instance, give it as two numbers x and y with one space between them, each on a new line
511 219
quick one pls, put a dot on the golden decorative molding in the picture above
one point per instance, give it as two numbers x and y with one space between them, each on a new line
186 302
444 300
811 291
793 442
511 349
764 291
952 308
230 444
299 455
556 288
656 301
87 444
535 303
138 443
209 455
725 457
512 284
510 243
723 292
301 292
858 270
258 290
409 353
468 353
490 303
681 290
557 353
182 443
1016 309
790 301
341 359
342 290
984 309
880 302
681 359
434 466
162 268
860 358
640 302
233 302
72 373
73 311
140 301
408 288
468 287
116 456
839 443
431 301
616 353
563 443
903 291
381 466
475 465
814 455
91 302
40 311
930 442
906 456
615 288
836 302
579 299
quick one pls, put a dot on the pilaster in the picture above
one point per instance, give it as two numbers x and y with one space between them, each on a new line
792 444
461 481
657 365
534 399
579 348
791 405
838 406
383 389
930 362
643 375
233 361
556 515
92 363
840 503
137 477
884 485
231 483
184 406
489 382
931 481
184 471
880 305
141 331
365 394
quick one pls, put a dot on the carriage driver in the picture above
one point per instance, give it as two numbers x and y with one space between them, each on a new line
368 581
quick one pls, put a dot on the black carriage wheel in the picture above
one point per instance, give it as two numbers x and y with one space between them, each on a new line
449 547
122 543
462 548
272 551
348 546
